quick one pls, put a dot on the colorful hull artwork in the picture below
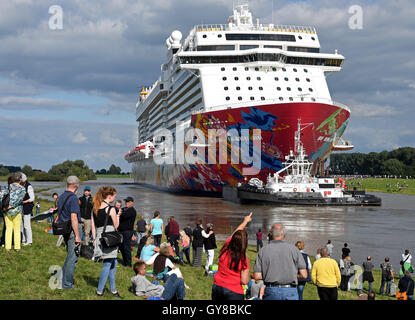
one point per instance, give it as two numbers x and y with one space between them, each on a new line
277 122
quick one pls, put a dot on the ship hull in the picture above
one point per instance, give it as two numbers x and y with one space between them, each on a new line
277 124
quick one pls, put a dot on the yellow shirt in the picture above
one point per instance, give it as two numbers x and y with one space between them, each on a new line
326 273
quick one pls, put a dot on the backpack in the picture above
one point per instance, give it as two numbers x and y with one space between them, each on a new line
5 202
386 272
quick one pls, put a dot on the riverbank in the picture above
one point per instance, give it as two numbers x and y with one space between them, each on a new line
385 185
25 275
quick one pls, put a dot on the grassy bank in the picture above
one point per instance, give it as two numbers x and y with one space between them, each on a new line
118 176
406 186
25 274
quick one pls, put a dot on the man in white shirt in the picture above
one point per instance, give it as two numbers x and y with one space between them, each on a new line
26 227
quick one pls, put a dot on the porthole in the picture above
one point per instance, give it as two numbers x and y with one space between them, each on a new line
239 98
276 79
223 69
279 88
246 68
262 98
286 79
258 78
274 69
309 89
236 78
305 70
312 38
295 70
224 78
252 98
297 79
260 88
256 69
234 69
291 98
313 99
299 89
249 88
227 98
219 36
283 69
300 37
248 78
288 89
308 80
225 88
238 88
281 98
204 36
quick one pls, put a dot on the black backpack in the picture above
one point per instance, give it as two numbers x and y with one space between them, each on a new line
5 202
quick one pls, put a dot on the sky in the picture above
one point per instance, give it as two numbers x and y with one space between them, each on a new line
70 93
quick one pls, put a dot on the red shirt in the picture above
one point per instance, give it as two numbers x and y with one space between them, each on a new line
259 235
228 278
173 228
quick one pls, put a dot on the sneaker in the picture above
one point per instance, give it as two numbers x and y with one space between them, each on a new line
27 244
100 294
116 295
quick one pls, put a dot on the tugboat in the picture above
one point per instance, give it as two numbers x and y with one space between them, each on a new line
298 186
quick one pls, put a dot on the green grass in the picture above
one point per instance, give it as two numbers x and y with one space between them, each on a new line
119 176
380 185
25 274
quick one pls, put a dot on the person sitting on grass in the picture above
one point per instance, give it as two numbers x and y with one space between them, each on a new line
148 251
163 264
173 287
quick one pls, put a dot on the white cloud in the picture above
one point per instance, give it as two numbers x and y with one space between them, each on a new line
79 138
108 138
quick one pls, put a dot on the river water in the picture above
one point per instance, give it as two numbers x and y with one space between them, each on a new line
377 231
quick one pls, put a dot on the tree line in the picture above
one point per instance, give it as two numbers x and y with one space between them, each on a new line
398 162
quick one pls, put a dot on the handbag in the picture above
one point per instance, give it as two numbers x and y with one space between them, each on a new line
87 251
112 238
62 227
5 202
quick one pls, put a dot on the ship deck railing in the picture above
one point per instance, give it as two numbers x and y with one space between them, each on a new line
271 101
261 27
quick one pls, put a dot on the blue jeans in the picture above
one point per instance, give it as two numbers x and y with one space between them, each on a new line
370 286
259 244
186 251
222 294
109 269
388 287
276 293
69 266
300 290
173 287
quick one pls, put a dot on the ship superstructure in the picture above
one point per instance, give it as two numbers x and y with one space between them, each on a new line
231 75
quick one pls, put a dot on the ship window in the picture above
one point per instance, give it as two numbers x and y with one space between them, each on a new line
252 98
227 98
239 98
219 36
288 88
279 88
274 69
281 98
258 78
260 37
305 70
312 38
238 88
224 78
303 49
313 99
309 89
291 98
234 69
236 78
248 78
262 98
295 70
215 48
300 37
276 79
246 68
283 69
257 69
226 88
297 79
204 36
308 80
260 88
223 69
249 88
299 89
286 79
247 47
272 47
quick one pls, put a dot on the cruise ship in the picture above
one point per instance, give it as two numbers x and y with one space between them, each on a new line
240 77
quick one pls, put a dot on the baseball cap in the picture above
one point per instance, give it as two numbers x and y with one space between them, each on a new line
87 188
129 199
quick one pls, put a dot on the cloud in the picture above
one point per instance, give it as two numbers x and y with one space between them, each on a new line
108 138
79 138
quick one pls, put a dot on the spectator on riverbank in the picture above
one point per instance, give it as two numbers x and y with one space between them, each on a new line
103 211
29 198
157 228
367 274
406 284
188 230
148 250
37 207
174 235
346 272
233 266
141 228
118 206
70 211
280 265
173 286
406 263
345 250
127 218
13 214
86 206
55 197
185 243
318 255
326 276
209 244
197 244
330 247
302 282
387 276
259 243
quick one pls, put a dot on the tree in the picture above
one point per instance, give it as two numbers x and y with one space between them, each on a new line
114 169
4 171
27 170
393 167
76 168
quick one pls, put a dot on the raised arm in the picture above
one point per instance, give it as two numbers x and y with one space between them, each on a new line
242 226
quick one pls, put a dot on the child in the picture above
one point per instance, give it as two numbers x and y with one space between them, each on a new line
257 288
185 243
173 287
149 250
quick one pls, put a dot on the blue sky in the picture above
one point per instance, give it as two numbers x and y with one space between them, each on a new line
71 93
